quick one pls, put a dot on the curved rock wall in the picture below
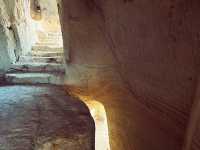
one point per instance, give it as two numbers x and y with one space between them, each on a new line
140 59
192 140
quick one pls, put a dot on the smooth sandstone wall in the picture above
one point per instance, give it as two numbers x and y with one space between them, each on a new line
192 139
140 59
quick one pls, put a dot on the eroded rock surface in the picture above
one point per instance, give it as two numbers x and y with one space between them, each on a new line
43 118
16 31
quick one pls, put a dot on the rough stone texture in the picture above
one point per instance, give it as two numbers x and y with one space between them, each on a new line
140 59
22 25
35 10
43 118
17 31
43 59
6 39
37 67
37 70
35 78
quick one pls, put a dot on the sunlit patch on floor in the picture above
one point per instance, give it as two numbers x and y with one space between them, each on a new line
98 112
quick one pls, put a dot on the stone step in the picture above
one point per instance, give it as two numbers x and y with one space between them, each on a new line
50 37
46 53
50 40
37 67
49 44
52 45
47 48
34 78
55 39
35 59
54 34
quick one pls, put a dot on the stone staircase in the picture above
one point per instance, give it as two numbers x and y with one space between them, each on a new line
44 65
48 49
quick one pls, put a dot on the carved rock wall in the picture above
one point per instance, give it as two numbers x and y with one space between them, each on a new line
17 31
7 43
140 59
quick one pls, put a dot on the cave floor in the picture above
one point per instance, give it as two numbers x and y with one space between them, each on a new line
43 117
